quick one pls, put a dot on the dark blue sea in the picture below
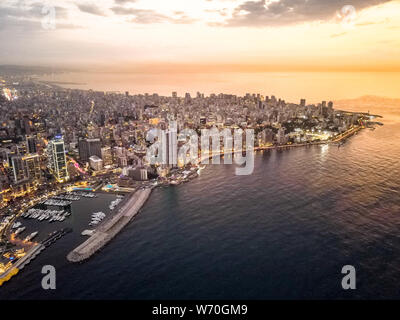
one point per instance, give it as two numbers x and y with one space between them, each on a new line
284 232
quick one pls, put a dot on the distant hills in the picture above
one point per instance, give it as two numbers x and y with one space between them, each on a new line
29 70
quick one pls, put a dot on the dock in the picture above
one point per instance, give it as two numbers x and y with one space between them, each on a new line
129 209
31 254
21 263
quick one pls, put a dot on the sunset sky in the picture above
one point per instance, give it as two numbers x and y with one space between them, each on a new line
198 34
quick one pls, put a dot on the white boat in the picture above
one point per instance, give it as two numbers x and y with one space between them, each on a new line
19 230
87 232
16 225
200 169
97 217
114 203
31 236
98 214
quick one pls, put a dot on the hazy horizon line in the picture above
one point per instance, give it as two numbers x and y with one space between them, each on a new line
168 67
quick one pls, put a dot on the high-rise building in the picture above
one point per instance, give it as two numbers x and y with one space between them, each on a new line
27 125
5 180
32 162
20 170
96 163
88 148
5 155
57 159
187 98
281 137
171 144
106 155
102 119
31 145
122 161
139 173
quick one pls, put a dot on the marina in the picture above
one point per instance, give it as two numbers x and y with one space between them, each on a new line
67 197
129 208
84 194
58 203
46 215
27 230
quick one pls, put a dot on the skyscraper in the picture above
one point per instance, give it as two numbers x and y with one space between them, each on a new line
171 145
57 159
32 163
88 148
20 170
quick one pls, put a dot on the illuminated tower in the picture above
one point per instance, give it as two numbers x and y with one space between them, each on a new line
57 159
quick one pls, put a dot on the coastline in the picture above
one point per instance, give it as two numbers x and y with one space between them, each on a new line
339 140
342 138
30 255
130 208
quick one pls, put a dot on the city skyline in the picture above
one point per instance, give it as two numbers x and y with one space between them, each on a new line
202 150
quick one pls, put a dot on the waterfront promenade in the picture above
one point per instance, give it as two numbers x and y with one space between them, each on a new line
110 228
337 140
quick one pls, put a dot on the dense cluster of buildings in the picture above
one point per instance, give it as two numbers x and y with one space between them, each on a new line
50 135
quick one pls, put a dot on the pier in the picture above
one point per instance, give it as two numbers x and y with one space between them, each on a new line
110 228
